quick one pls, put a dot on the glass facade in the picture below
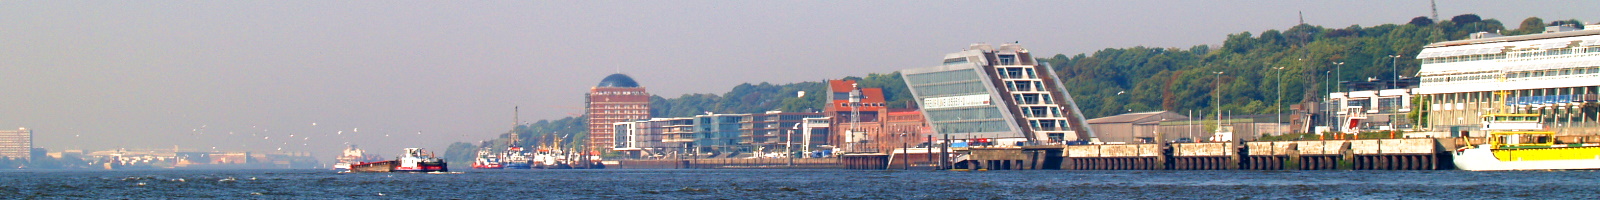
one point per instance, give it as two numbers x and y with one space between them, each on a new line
987 92
964 119
718 132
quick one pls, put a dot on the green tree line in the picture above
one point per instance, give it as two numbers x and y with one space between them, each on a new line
1120 80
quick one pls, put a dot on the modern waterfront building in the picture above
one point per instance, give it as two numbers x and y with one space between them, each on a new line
17 144
1555 74
616 99
999 93
652 137
774 130
718 133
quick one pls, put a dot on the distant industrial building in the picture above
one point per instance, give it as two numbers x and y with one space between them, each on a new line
17 144
857 114
999 93
1237 128
616 99
1133 128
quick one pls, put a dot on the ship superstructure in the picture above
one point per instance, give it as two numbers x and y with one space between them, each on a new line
353 155
1555 74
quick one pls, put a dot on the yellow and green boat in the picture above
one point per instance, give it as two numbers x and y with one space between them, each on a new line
1518 142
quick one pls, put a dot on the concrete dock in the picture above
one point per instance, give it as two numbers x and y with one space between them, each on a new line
1364 154
1367 154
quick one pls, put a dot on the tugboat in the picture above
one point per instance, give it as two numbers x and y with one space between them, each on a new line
487 160
516 158
1520 142
353 155
549 159
414 160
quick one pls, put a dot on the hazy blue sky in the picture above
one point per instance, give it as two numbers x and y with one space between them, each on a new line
151 74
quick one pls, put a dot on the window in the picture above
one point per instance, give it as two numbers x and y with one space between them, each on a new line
1007 59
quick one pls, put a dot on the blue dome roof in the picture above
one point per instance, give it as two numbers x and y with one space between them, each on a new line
618 80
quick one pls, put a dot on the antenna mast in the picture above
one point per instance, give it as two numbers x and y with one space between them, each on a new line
1435 7
855 114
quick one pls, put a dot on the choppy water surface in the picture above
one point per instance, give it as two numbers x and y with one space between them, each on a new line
803 184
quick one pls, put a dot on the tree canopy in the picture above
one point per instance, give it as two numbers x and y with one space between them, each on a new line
1120 80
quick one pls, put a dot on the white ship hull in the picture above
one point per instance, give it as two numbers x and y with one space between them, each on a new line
1482 159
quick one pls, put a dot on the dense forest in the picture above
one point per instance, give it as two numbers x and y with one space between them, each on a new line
1114 81
1120 80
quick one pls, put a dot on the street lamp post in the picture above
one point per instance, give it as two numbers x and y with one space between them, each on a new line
1339 69
1219 102
1394 84
1278 106
1326 90
1394 60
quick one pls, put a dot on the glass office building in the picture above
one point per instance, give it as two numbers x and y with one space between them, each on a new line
999 93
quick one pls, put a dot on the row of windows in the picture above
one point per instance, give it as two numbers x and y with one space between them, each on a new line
1006 59
1033 99
942 77
621 111
614 106
1048 125
1464 58
1041 111
996 125
953 61
1526 54
1554 72
973 87
1522 74
861 104
618 93
1025 86
1015 72
970 113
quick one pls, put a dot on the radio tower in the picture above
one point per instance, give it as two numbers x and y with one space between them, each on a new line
855 114
1435 6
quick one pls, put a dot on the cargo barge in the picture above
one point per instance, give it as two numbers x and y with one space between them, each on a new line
414 160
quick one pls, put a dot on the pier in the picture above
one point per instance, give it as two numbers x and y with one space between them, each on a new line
1363 154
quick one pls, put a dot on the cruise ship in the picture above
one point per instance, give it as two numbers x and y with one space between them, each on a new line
1555 74
1518 95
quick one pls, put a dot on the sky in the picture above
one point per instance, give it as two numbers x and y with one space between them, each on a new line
313 76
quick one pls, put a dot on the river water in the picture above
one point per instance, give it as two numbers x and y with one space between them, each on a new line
799 184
